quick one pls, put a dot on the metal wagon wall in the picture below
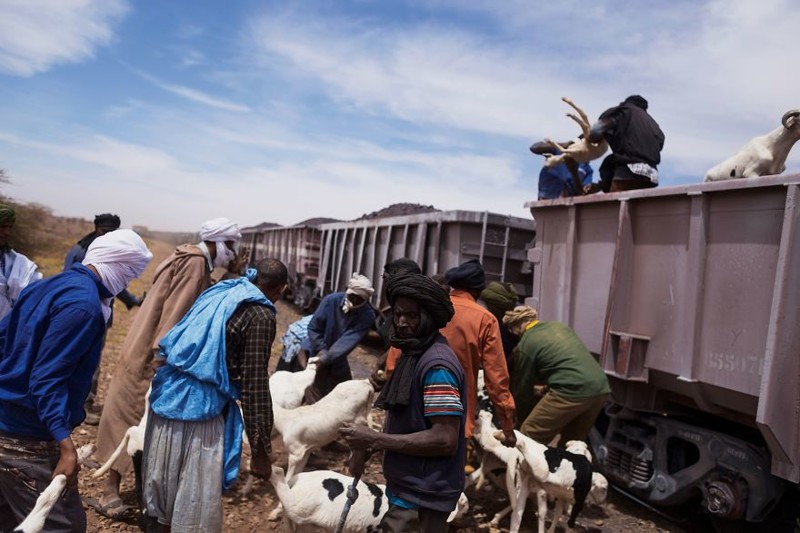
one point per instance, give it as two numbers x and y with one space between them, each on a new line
437 241
685 292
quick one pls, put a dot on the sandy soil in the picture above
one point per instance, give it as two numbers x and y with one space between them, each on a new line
251 513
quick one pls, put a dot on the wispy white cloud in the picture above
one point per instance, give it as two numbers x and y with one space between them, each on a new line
191 58
193 94
706 68
35 35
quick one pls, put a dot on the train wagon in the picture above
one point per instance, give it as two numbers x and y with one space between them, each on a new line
689 297
321 258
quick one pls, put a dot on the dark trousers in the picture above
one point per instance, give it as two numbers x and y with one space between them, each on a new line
399 520
26 469
326 378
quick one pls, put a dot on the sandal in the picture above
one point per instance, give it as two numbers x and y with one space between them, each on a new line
113 509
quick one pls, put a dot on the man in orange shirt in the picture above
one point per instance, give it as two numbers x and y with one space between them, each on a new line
474 335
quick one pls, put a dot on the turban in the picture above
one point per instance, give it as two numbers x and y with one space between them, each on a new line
636 100
499 298
7 214
436 310
399 266
519 317
107 221
429 295
119 257
468 276
219 230
360 285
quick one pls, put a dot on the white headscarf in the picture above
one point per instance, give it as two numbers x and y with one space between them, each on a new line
359 285
119 257
219 230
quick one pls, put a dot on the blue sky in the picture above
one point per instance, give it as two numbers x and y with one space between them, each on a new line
173 112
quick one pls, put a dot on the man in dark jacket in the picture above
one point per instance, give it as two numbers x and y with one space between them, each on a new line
636 142
424 399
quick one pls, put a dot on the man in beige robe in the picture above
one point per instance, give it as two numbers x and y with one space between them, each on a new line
178 282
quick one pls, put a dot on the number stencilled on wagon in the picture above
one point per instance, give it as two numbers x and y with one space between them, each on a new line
728 362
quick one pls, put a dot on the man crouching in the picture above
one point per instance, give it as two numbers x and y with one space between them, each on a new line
217 353
424 399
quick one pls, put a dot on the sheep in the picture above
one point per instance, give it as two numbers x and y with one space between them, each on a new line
287 388
580 149
34 522
309 427
764 155
316 499
555 472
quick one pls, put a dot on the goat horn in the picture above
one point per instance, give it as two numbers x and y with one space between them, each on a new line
788 115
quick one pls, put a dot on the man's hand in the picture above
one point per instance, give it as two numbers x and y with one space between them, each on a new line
323 357
358 458
68 462
378 379
237 264
509 440
358 437
261 465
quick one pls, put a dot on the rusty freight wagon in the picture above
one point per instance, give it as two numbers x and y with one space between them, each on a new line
322 257
689 297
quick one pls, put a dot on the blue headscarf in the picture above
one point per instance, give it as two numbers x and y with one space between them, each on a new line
193 385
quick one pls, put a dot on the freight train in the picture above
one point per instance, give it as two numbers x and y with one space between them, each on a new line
689 297
321 257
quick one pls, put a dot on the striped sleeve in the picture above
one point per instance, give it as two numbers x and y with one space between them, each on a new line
440 393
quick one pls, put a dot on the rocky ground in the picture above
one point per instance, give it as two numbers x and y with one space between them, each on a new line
250 513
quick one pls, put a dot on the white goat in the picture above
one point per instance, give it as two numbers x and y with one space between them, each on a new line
310 427
287 388
132 441
34 522
764 155
580 149
316 499
566 477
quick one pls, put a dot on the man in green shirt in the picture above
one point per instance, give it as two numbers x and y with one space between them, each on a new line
550 353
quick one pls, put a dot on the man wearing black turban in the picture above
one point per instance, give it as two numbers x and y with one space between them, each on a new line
423 436
636 141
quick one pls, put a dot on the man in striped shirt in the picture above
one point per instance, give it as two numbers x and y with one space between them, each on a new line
423 438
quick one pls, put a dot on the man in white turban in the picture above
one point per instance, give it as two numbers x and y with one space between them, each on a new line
177 283
52 343
338 325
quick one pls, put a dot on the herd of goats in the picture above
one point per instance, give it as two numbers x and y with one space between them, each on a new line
315 499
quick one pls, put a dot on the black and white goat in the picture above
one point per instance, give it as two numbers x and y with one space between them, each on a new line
764 155
316 499
561 475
